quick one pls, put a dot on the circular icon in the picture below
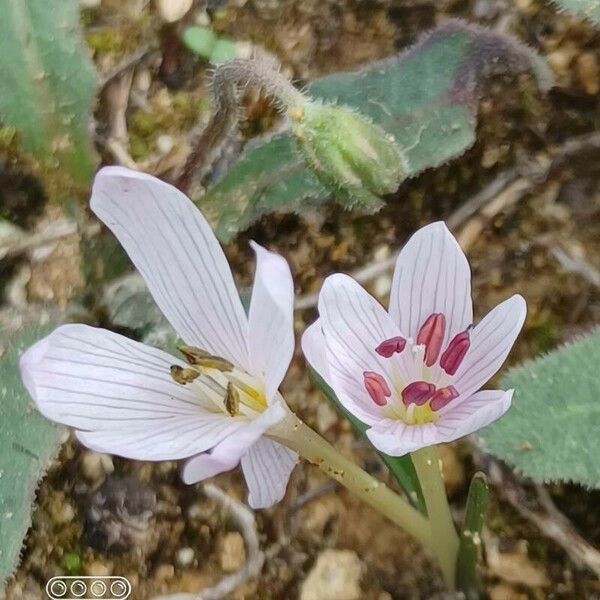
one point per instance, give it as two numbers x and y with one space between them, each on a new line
58 588
78 588
118 589
98 588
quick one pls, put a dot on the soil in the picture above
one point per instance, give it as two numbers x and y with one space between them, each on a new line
511 253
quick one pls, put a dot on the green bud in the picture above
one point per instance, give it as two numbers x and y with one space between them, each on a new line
352 156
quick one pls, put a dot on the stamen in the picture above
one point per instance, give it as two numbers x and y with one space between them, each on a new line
376 387
201 358
417 392
389 347
431 336
442 397
183 375
455 352
232 400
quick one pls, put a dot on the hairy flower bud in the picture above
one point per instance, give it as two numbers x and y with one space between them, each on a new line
351 156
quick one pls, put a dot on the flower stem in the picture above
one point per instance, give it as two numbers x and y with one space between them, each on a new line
427 465
294 434
224 121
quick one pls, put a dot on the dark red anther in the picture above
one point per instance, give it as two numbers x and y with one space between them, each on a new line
376 387
431 336
442 397
389 347
455 352
417 392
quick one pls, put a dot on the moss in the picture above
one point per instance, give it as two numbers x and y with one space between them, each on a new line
181 113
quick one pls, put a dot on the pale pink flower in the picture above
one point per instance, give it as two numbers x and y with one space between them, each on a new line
413 374
120 395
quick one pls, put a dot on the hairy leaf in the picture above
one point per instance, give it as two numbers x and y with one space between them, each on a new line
47 81
551 431
589 9
28 441
426 98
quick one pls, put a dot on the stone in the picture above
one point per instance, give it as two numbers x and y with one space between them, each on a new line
185 557
96 466
173 10
335 576
232 552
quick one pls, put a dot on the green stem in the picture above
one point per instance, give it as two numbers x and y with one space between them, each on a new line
294 434
427 465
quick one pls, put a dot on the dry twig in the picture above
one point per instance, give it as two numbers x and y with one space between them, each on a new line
52 233
545 516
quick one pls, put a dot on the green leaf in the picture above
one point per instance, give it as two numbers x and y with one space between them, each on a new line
401 467
200 40
467 579
28 441
47 81
551 431
426 98
588 9
129 305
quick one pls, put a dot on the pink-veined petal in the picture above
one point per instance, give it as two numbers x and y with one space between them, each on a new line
313 347
179 257
395 438
472 414
432 275
271 319
121 394
491 341
227 455
354 324
267 468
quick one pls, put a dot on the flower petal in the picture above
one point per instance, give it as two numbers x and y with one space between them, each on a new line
176 252
313 347
354 324
229 452
271 319
267 468
394 438
121 393
432 275
491 341
472 414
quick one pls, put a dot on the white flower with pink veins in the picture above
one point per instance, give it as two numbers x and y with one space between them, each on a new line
219 405
413 374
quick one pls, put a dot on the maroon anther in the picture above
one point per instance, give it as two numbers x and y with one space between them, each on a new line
455 352
376 387
442 397
417 392
431 336
389 347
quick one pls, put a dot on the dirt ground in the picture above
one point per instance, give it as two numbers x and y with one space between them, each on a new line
184 541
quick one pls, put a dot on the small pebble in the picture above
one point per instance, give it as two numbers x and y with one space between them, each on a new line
164 143
98 569
232 552
173 10
335 576
68 513
164 572
185 557
95 466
